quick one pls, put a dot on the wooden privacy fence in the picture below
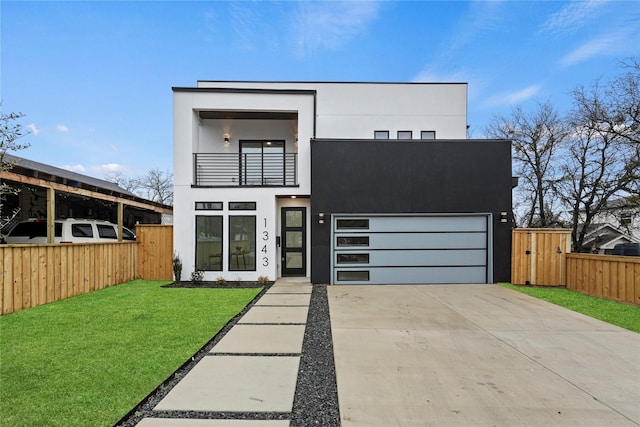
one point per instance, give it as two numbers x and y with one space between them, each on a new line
537 256
37 274
33 275
606 276
155 252
542 257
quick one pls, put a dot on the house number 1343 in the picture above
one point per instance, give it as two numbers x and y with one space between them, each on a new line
264 250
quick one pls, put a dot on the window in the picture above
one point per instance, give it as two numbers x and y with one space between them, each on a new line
208 206
107 231
81 230
242 243
626 219
381 134
353 275
35 229
353 258
262 163
353 241
428 134
405 134
353 223
242 206
127 234
209 243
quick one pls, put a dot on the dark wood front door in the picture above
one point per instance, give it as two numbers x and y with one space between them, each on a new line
294 241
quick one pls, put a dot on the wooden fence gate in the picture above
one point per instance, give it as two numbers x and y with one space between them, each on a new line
155 251
537 256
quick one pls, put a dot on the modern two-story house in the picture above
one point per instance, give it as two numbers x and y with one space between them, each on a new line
345 183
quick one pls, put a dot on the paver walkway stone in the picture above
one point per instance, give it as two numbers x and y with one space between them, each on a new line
262 339
237 384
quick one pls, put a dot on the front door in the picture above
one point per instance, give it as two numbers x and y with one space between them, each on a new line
294 242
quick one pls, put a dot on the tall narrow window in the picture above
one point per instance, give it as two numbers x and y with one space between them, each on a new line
209 243
242 243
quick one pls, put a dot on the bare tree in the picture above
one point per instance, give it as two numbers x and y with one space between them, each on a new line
130 184
603 161
10 131
157 185
537 138
619 111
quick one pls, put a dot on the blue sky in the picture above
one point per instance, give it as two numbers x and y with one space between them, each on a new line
94 78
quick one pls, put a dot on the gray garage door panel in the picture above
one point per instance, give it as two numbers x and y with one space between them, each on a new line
421 275
405 258
388 249
427 240
424 224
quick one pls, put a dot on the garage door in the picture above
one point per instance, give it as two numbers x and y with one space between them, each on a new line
380 249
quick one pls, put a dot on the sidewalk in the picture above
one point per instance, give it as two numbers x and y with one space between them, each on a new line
252 370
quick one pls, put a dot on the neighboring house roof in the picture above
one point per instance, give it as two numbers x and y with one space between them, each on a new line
604 236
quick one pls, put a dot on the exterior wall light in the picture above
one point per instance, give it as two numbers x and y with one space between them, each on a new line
226 139
503 217
321 218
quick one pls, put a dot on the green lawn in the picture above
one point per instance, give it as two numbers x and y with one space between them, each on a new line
623 315
87 360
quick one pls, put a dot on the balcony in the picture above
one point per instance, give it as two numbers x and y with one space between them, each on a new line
245 169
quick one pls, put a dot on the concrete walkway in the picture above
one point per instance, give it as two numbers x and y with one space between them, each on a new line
477 355
253 369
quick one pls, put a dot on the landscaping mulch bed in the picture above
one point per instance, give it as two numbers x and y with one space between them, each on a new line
216 285
316 397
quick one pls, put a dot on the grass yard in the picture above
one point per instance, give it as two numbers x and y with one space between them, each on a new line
623 315
87 360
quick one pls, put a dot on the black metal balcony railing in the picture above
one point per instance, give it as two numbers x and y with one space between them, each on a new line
245 169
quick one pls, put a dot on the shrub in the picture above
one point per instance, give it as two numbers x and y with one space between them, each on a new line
177 266
263 280
197 276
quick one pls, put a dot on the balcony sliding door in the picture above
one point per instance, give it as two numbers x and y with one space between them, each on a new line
261 163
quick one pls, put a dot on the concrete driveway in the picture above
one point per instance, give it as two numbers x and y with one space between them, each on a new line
469 355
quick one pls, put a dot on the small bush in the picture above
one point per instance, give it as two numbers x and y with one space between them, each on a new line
221 280
197 276
263 280
177 266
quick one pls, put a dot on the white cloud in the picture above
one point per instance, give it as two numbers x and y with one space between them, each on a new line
609 44
327 25
62 128
32 128
573 16
513 98
109 167
96 170
429 76
75 168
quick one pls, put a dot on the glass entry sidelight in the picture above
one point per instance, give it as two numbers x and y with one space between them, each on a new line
294 242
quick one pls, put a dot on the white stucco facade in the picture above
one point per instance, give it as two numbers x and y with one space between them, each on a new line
218 124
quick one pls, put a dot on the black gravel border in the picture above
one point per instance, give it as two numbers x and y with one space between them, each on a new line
316 399
316 396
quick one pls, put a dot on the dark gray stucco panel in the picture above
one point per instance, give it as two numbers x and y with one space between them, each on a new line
392 176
